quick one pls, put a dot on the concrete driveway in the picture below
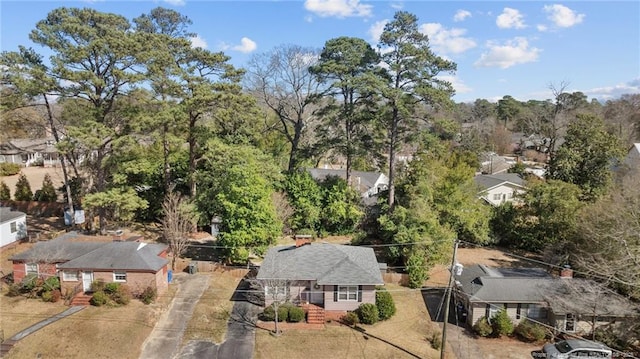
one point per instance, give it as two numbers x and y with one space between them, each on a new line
164 341
241 333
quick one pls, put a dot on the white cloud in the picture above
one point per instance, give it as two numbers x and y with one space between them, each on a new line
457 83
542 28
246 46
510 18
461 15
562 16
612 92
376 30
198 41
338 8
447 40
513 52
397 5
175 2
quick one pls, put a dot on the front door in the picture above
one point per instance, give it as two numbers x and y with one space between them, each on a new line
316 294
87 279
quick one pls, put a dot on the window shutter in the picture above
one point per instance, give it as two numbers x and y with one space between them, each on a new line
518 311
359 293
335 293
486 311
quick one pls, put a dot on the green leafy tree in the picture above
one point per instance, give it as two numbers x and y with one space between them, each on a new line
411 74
347 66
237 185
305 195
341 212
5 192
47 193
23 189
117 204
587 156
548 216
508 109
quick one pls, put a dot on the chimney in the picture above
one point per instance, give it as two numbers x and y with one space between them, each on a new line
566 272
302 239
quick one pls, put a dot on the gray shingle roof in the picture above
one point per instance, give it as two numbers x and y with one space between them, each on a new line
6 214
122 256
490 181
326 263
367 179
486 284
56 251
96 255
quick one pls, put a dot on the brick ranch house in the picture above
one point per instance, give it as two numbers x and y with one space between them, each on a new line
326 277
78 263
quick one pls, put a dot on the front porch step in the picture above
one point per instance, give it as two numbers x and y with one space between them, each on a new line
81 299
6 347
315 315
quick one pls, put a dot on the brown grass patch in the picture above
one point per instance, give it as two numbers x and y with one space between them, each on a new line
402 336
18 313
210 316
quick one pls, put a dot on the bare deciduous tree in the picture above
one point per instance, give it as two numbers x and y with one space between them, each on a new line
179 220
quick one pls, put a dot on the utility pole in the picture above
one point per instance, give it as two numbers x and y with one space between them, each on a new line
448 299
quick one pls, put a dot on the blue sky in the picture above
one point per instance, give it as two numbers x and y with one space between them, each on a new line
515 48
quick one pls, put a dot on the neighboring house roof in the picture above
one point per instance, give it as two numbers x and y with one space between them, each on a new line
487 182
367 180
533 285
7 215
45 145
486 284
323 262
71 254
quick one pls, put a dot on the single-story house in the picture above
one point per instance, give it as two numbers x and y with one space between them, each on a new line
30 151
78 263
368 184
632 160
499 188
568 304
13 226
335 277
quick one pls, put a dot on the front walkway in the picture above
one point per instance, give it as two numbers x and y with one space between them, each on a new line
8 344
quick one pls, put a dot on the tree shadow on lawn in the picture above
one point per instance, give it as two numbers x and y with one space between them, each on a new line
366 336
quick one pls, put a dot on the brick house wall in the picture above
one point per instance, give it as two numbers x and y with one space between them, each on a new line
136 281
45 270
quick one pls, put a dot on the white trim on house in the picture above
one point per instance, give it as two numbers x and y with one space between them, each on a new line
31 268
119 276
347 293
70 276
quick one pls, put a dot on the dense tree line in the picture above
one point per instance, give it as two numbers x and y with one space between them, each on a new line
140 115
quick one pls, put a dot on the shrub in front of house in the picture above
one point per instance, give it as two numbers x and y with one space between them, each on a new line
23 189
5 192
111 288
296 314
530 331
121 295
501 323
482 327
98 285
367 313
148 295
99 298
269 314
350 319
9 169
385 304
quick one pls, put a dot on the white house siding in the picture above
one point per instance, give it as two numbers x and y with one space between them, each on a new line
7 236
368 296
506 192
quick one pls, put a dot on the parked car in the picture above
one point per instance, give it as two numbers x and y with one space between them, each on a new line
576 348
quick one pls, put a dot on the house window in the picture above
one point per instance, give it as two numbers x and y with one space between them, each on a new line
510 195
276 290
535 311
69 276
348 292
14 227
119 276
31 268
497 196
